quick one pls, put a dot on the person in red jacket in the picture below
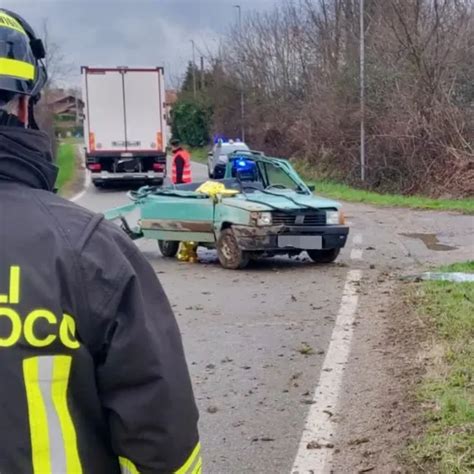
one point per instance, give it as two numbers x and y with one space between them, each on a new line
181 166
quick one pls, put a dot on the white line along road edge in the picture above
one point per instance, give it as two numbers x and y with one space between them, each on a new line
87 183
319 428
87 178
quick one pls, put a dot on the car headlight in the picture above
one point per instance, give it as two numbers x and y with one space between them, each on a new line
223 159
261 218
332 217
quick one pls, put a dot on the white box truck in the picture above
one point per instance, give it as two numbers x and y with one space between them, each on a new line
125 125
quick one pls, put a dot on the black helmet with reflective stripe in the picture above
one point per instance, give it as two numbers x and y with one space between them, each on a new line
21 52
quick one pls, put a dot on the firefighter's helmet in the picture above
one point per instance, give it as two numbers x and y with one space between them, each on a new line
22 71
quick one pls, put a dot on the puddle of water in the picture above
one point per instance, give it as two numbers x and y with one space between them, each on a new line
431 241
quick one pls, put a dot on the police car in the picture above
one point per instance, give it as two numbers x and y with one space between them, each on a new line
219 155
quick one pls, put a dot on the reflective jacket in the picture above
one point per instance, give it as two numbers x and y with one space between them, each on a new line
92 369
186 157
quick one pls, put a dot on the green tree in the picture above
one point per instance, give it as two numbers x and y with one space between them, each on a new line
191 122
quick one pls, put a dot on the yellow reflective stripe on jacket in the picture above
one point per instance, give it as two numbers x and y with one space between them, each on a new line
8 21
52 432
194 463
38 417
61 372
127 467
19 69
198 468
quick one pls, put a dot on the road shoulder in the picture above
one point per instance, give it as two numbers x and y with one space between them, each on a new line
376 415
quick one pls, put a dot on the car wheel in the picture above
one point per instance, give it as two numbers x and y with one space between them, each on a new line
168 248
323 256
231 256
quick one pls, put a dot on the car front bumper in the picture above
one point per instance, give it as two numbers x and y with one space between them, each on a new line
287 239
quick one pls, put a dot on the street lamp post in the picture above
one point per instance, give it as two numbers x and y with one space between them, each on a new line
242 95
362 93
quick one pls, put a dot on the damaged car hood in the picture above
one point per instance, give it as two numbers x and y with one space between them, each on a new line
287 201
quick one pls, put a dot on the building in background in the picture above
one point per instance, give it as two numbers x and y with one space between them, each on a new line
67 108
170 99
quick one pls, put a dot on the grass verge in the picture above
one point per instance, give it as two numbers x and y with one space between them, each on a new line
348 193
465 267
447 394
199 154
66 162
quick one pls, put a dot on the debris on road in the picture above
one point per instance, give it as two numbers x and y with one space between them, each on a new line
358 441
306 349
316 445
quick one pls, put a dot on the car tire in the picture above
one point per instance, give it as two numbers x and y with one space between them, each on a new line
168 248
323 256
230 255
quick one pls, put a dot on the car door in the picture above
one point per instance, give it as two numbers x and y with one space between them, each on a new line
178 218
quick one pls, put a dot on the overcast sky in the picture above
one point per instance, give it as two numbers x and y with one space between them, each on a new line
133 32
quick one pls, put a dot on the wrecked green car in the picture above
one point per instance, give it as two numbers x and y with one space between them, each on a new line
265 210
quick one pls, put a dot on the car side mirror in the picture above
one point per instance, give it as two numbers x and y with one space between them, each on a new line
311 187
210 154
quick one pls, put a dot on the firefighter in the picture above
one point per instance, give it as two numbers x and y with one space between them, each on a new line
181 166
92 369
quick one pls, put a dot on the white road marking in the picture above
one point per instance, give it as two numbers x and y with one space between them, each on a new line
357 240
319 428
356 254
87 183
87 177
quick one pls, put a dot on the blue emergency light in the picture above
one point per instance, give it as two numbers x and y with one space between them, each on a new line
219 138
245 169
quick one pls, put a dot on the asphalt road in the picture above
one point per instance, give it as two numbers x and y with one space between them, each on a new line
247 333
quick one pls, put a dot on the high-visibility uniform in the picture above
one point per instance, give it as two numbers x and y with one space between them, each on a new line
92 370
180 153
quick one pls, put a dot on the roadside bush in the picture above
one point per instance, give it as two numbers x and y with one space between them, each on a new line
191 122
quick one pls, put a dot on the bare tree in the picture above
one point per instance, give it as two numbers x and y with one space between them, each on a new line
57 65
300 67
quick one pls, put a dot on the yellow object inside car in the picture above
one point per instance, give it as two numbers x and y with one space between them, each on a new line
213 188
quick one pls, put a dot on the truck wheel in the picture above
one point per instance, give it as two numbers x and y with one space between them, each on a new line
231 256
168 248
323 256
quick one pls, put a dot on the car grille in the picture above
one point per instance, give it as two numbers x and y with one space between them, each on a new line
308 218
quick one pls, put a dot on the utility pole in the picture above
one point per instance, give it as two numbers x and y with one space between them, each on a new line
242 95
202 73
194 69
77 106
362 92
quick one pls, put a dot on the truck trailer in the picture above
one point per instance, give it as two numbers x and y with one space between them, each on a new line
125 125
